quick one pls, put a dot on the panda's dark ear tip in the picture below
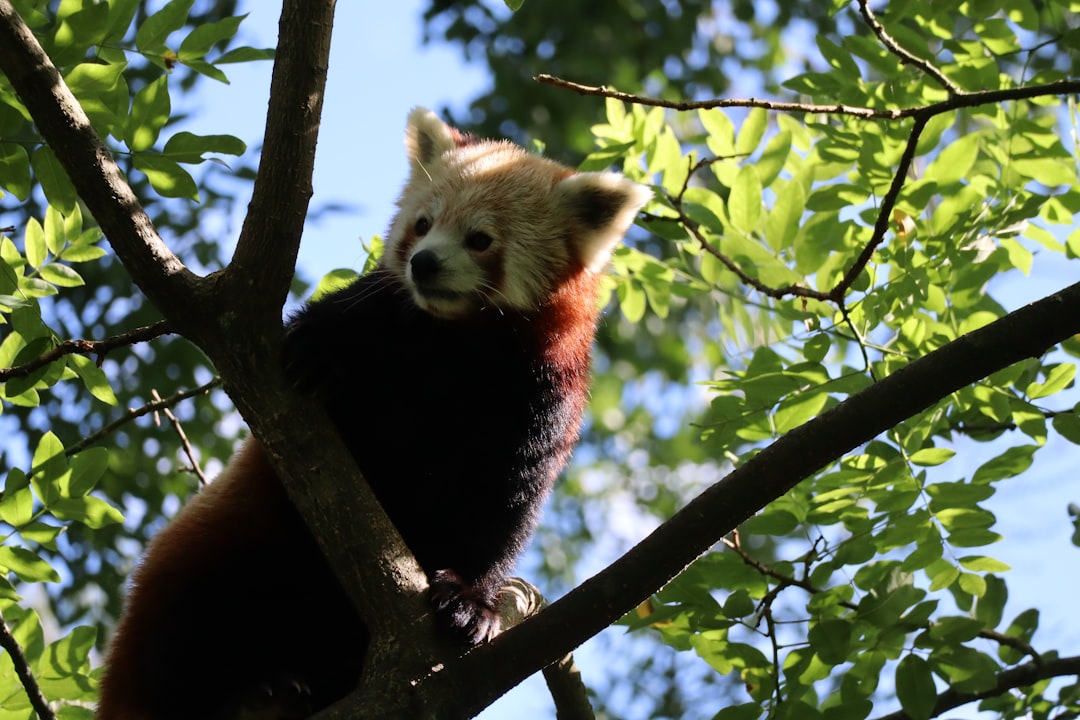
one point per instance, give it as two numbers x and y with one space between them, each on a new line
599 199
602 205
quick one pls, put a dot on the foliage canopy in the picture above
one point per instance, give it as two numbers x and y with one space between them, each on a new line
798 252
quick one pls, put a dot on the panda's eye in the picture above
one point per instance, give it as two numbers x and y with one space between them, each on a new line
478 241
422 226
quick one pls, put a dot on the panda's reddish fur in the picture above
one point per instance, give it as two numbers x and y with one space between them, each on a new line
456 372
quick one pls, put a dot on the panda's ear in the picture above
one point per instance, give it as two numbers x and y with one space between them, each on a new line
427 138
600 207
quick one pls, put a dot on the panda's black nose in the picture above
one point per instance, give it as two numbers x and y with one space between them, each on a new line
425 266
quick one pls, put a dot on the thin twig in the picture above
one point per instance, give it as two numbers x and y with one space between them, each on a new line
884 212
133 413
22 669
859 340
964 100
188 450
839 291
780 292
906 57
784 106
88 347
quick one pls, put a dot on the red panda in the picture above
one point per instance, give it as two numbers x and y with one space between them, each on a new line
456 372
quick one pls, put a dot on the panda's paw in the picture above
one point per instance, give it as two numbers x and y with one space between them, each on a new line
467 612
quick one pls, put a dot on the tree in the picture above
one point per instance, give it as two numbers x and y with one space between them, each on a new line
832 256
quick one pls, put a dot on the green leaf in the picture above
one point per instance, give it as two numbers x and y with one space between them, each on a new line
817 347
957 494
333 281
1050 171
930 457
782 224
150 109
955 161
211 71
68 656
27 566
632 300
204 37
49 468
721 132
1060 377
86 470
34 239
514 5
773 158
81 25
981 563
54 180
167 177
49 454
61 275
771 521
744 204
746 711
15 170
245 54
1022 627
915 687
121 13
752 130
1068 426
1010 463
190 148
739 604
831 640
17 503
91 511
83 252
990 607
153 33
92 80
55 234
794 411
93 378
968 670
955 629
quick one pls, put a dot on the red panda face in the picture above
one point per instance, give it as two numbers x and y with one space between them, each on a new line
484 226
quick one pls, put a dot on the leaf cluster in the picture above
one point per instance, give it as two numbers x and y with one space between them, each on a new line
57 283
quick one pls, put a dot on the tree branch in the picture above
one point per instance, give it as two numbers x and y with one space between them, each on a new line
26 675
1016 677
234 315
881 225
363 547
906 57
61 121
265 258
87 347
965 100
599 601
781 105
